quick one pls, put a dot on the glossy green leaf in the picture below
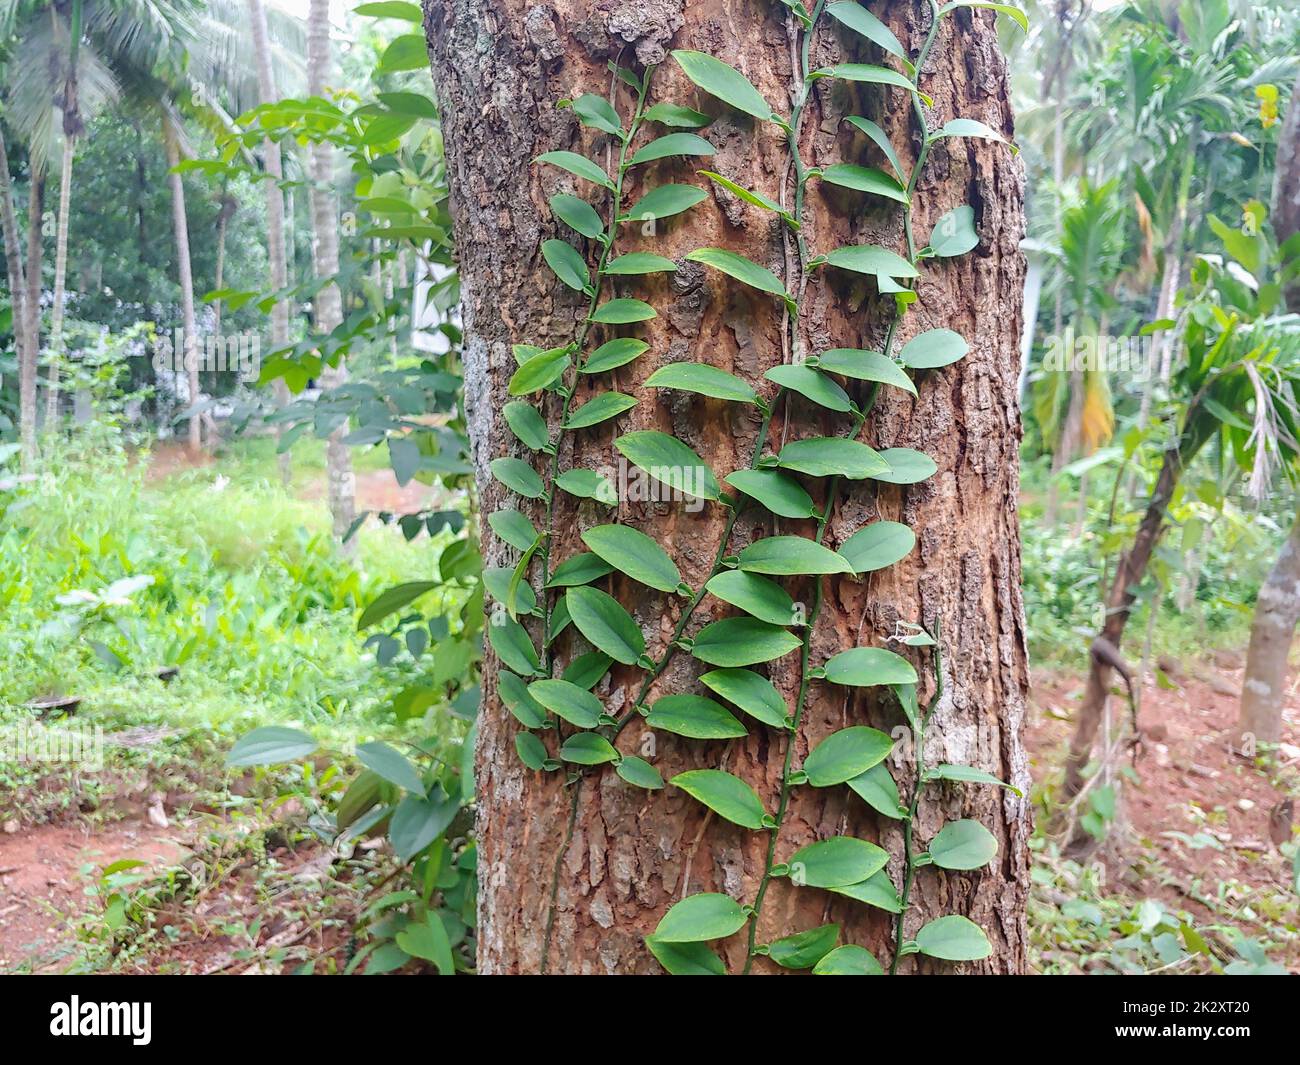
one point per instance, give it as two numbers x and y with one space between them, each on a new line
514 696
748 195
513 528
1006 9
510 641
588 484
860 20
604 622
964 844
579 165
968 774
742 642
778 492
686 959
702 917
667 459
666 201
755 695
582 568
428 940
497 580
418 821
865 72
906 466
596 112
640 262
586 670
702 379
632 552
846 754
803 950
866 667
848 960
812 385
836 862
588 748
599 409
880 544
672 144
577 214
623 312
864 179
391 9
864 365
613 354
527 425
270 745
877 789
723 81
954 233
953 938
869 259
518 476
576 705
393 599
881 141
764 599
742 269
531 751
726 795
667 114
933 348
828 456
640 773
407 52
539 372
787 556
970 127
877 890
694 717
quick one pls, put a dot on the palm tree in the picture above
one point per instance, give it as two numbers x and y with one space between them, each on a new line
21 319
328 302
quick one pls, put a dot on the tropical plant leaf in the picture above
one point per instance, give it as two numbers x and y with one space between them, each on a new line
846 754
723 81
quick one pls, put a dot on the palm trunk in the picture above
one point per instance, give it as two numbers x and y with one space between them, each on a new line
1277 611
60 275
34 265
182 233
21 319
274 219
325 257
572 877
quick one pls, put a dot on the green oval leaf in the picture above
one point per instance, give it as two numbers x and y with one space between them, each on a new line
864 179
599 409
812 385
964 844
640 773
968 774
576 705
588 748
869 259
970 127
848 960
666 201
881 141
568 265
723 81
749 196
518 476
846 754
613 354
392 765
954 233
588 484
702 917
514 696
755 695
270 745
498 579
531 751
513 528
686 959
906 466
527 425
860 20
742 269
586 670
864 365
510 641
832 456
764 599
539 372
934 348
576 164
877 890
633 552
726 795
1009 10
742 642
778 492
667 459
418 821
667 114
582 568
694 717
577 214
803 950
393 599
604 622
866 72
623 312
880 544
866 667
702 379
640 262
836 862
953 938
877 789
787 556
672 144
596 112
407 52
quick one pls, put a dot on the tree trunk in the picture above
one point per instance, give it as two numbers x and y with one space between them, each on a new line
180 227
274 219
1286 186
1277 611
34 265
325 257
60 275
21 319
572 878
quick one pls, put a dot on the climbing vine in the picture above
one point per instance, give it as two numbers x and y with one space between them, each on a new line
770 624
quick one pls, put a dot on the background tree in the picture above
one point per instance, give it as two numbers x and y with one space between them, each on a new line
572 878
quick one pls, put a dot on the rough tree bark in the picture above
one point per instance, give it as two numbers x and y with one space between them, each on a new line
60 278
625 857
274 217
341 487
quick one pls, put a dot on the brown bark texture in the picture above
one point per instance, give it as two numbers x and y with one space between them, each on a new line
1277 610
573 877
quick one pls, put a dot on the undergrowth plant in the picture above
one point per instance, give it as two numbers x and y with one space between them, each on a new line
564 725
